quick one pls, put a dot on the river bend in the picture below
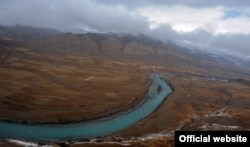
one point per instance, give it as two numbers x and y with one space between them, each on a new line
157 92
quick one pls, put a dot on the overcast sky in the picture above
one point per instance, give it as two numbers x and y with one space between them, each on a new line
215 23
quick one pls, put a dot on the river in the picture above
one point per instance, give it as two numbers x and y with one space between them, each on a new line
100 127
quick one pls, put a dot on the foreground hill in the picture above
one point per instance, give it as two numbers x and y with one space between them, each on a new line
68 77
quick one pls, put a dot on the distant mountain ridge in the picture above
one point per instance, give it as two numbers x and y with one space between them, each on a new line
24 33
124 46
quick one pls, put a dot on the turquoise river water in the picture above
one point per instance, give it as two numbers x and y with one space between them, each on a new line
95 128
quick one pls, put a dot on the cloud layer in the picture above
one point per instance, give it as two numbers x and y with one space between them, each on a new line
75 14
182 18
222 25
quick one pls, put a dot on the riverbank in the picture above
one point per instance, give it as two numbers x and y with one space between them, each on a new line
74 121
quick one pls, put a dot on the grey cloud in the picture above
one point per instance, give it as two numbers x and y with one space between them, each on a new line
198 36
164 32
193 3
69 14
234 43
237 43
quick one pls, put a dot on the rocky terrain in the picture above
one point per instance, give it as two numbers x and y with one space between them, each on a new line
66 77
